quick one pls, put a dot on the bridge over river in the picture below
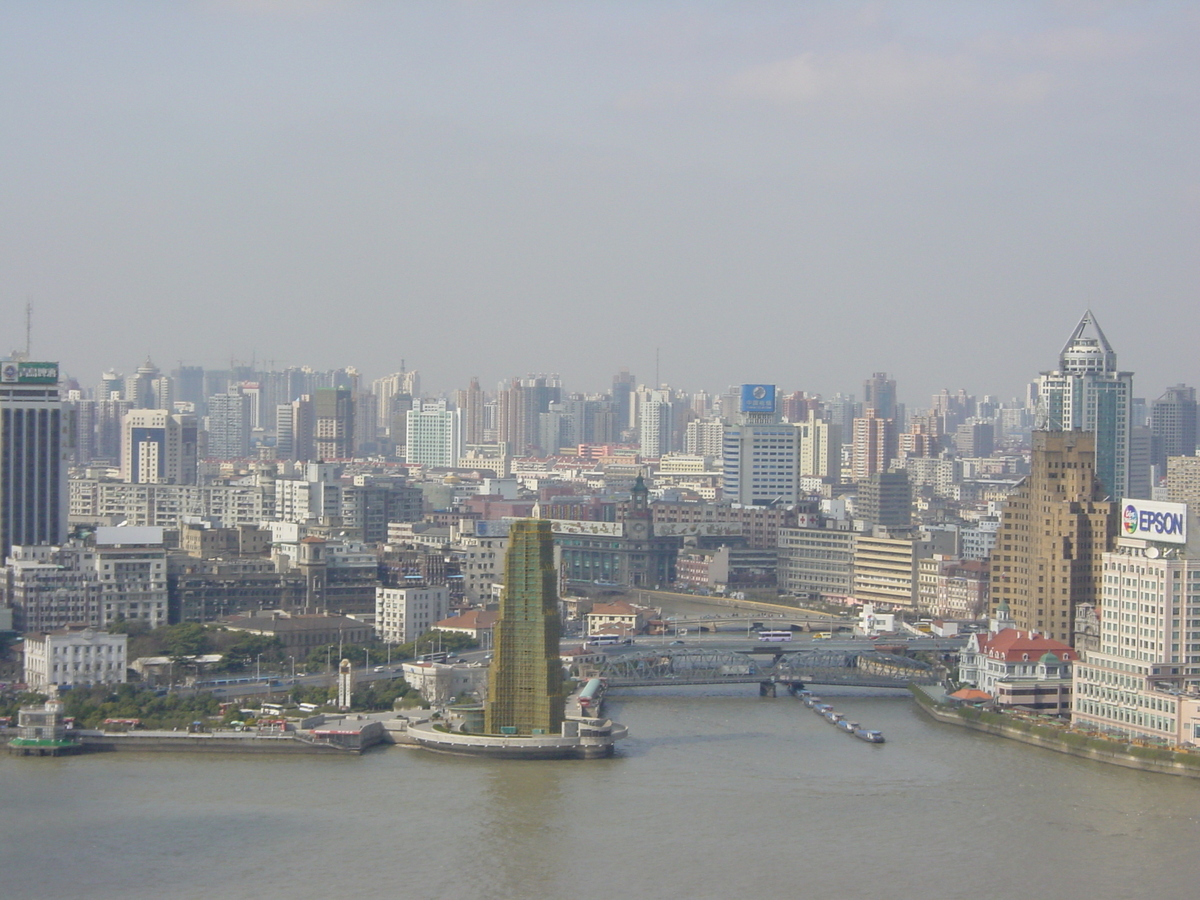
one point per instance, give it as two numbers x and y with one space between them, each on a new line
795 668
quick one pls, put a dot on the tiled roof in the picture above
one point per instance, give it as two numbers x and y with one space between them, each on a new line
1012 645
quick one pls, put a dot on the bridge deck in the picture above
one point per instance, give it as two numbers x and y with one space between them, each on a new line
697 666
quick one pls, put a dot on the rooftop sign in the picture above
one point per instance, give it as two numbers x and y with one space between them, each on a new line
1154 521
12 372
758 398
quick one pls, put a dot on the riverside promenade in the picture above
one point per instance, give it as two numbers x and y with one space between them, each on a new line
1059 736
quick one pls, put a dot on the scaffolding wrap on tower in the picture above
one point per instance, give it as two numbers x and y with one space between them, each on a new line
525 683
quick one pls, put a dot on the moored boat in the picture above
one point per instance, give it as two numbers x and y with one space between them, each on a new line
871 737
848 726
832 716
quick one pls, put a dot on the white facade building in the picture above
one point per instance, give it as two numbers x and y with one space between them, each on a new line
820 452
761 464
434 435
403 614
1144 678
75 657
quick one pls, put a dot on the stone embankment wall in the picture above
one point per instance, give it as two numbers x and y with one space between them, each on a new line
204 743
1061 740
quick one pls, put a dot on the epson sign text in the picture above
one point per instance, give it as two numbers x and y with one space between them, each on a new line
1151 521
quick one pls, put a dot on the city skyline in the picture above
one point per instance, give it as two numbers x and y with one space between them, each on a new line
770 194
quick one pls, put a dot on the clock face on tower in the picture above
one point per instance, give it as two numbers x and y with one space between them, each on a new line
637 529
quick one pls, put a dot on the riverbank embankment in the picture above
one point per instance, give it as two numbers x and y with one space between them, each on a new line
1059 737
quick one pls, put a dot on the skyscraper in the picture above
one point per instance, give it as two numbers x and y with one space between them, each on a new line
1086 392
1053 531
33 440
761 455
525 684
1173 425
879 394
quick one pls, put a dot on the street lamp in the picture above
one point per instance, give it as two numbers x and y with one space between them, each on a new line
258 667
293 659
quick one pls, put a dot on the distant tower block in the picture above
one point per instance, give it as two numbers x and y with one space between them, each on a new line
345 683
525 684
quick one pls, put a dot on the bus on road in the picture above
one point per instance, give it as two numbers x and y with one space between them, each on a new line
774 635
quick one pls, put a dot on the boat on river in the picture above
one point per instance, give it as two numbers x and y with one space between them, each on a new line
812 701
871 737
847 726
832 716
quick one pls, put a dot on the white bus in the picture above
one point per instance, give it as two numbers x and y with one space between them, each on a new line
601 639
774 635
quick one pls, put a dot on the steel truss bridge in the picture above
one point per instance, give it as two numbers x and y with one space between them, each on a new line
794 668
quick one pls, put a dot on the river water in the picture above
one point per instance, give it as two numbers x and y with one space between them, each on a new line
718 793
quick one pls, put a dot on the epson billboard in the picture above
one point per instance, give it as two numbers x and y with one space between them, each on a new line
1153 521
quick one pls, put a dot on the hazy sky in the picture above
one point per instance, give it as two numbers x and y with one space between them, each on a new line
791 192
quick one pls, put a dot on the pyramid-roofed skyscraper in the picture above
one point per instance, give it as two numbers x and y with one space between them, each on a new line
1087 393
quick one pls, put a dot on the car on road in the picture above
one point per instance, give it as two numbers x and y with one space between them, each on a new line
676 644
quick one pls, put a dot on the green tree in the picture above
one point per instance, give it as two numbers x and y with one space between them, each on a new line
187 639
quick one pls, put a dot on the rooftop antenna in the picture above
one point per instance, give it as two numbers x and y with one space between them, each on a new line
657 377
28 328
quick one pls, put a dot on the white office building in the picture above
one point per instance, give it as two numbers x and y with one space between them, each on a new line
1141 679
434 435
761 455
158 447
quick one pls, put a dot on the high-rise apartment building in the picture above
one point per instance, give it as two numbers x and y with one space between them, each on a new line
229 425
1183 481
1053 530
525 683
654 423
885 499
1086 392
333 431
820 447
874 446
34 439
158 447
704 437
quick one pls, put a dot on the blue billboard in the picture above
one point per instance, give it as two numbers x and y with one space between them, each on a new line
758 398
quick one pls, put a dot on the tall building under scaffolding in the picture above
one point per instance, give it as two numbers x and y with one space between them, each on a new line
525 682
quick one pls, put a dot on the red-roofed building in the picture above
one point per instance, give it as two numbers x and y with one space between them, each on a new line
1020 668
477 623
